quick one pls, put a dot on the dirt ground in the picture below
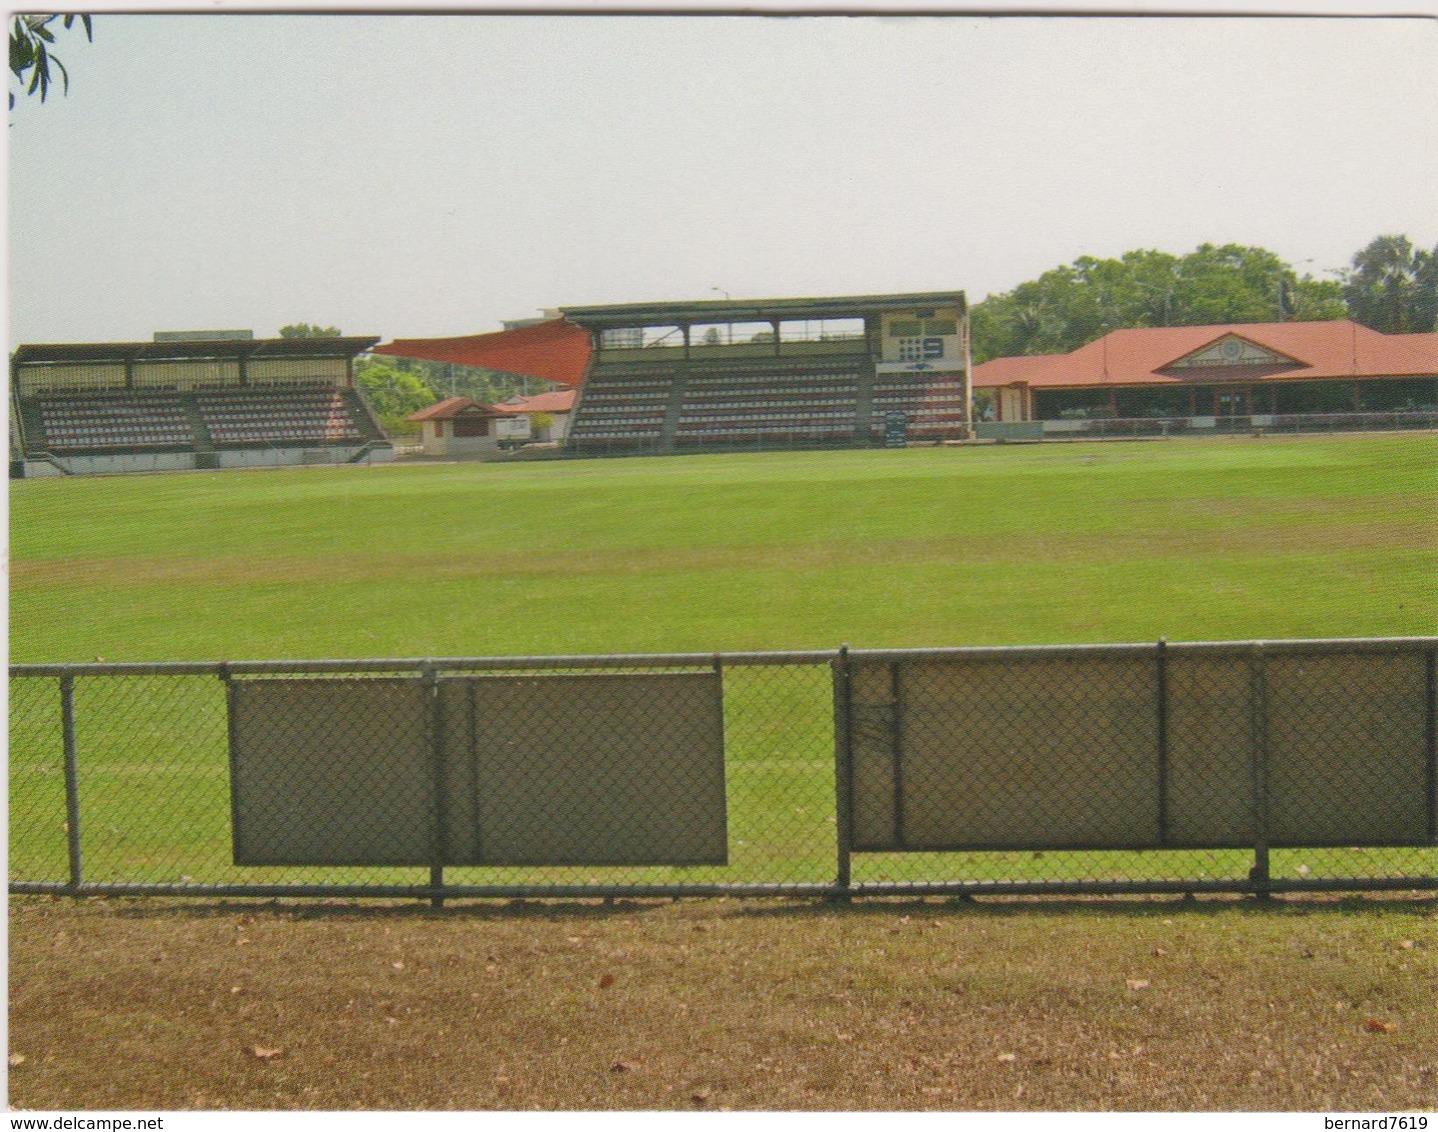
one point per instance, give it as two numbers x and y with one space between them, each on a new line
1151 1005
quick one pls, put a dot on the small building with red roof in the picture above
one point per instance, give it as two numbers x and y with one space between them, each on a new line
1235 375
545 415
459 428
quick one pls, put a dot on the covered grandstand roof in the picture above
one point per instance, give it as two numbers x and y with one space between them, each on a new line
554 350
1310 351
722 310
559 349
79 352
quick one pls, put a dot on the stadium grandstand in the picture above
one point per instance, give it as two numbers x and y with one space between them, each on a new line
189 401
724 374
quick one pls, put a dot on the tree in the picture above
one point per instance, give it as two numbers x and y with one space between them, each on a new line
1393 286
540 423
30 40
305 330
393 394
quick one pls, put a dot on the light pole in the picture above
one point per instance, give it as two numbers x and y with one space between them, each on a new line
728 326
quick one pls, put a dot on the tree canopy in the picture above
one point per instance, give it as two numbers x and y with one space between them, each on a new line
305 330
393 394
1077 303
1393 286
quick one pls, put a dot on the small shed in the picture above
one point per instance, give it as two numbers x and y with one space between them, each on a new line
459 428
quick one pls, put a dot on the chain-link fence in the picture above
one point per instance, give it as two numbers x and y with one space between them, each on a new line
1240 767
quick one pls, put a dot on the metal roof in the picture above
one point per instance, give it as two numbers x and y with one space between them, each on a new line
758 310
1319 351
214 349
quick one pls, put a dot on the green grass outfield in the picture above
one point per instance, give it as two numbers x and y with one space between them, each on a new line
1189 540
1185 539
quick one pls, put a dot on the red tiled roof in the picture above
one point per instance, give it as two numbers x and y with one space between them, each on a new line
555 350
555 401
452 407
1320 351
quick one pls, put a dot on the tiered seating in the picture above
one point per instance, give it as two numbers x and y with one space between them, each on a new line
769 405
622 408
789 407
71 424
276 416
934 404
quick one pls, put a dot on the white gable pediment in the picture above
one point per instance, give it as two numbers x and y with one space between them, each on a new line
1231 350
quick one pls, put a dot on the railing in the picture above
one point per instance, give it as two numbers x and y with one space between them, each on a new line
1262 422
1241 767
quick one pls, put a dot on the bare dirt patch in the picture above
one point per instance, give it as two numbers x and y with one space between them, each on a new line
1138 1005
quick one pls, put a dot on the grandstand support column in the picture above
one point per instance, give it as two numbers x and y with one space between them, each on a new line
968 347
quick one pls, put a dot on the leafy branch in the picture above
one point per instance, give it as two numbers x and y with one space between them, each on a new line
31 40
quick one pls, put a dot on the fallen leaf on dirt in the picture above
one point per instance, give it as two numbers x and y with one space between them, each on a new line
264 1053
16 1058
606 981
1136 984
1378 1026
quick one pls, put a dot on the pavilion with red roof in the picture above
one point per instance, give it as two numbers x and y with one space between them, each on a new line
1234 375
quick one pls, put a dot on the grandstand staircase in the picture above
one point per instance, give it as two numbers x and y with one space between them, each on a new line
864 422
674 409
205 453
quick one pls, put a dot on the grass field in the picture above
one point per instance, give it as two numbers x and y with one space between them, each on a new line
1190 540
925 1005
1013 544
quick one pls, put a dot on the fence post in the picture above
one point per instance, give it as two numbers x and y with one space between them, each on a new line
440 843
1258 747
1431 739
72 781
843 768
1161 679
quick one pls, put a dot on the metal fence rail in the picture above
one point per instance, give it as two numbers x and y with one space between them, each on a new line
1250 767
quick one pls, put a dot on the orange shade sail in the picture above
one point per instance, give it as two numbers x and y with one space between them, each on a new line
555 350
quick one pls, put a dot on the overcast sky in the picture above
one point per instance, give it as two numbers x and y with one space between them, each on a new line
412 176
